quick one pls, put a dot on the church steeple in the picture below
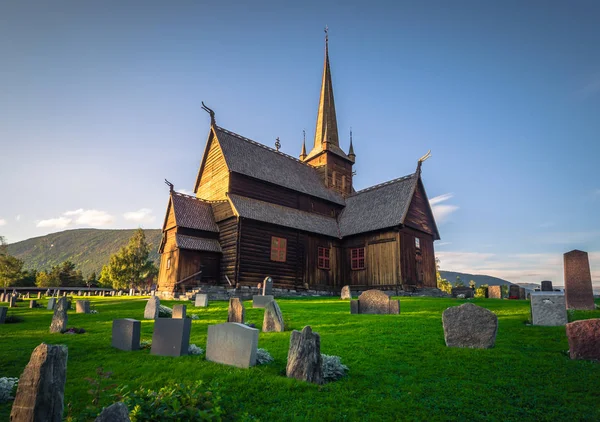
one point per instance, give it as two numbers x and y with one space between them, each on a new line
303 152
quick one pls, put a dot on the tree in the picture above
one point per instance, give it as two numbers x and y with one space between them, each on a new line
11 268
442 284
472 284
459 282
91 280
504 289
47 279
130 267
481 291
105 280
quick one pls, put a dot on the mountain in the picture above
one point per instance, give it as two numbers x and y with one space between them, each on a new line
477 278
88 249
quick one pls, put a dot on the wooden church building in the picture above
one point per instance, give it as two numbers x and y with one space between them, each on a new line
258 212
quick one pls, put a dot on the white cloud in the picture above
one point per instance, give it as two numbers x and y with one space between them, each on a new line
2 222
55 223
91 218
18 217
442 211
143 215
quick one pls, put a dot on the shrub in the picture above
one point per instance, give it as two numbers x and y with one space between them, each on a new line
263 357
7 387
195 350
333 368
481 291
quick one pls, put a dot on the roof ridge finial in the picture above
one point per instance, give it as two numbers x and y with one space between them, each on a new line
303 152
326 36
277 144
351 153
213 121
421 160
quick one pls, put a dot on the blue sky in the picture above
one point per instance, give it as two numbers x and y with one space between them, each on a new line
100 101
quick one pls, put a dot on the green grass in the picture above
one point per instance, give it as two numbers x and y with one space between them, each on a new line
400 368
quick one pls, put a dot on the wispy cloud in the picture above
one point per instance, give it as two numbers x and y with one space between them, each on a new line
18 217
441 212
443 244
591 88
143 215
2 222
80 217
54 223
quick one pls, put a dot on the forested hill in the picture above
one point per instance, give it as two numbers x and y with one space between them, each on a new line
88 249
477 278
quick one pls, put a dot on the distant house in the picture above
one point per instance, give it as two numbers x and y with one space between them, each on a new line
258 212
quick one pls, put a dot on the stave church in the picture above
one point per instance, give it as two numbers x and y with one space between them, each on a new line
258 212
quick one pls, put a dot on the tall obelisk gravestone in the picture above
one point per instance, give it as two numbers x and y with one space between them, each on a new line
578 281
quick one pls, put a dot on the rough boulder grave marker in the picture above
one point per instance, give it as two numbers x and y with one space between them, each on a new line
548 308
470 326
236 311
41 388
346 294
82 306
273 319
495 292
578 281
547 286
232 344
304 360
584 339
59 319
152 308
201 300
374 302
171 337
126 334
116 412
179 311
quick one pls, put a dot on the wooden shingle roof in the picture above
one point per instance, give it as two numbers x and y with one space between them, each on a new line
197 243
193 213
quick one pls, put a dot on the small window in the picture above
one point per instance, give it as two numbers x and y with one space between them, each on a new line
168 263
417 243
278 249
357 258
323 261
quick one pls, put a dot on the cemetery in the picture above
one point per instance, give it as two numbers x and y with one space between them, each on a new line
437 358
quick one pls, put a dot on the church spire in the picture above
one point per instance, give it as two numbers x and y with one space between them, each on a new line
351 153
326 131
303 152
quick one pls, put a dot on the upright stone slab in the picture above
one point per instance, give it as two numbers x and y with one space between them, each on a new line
3 310
495 292
116 412
470 326
201 300
126 334
236 311
584 339
304 360
232 344
267 286
12 302
32 304
579 293
51 303
346 294
466 291
522 293
59 319
273 319
375 302
260 301
152 308
171 337
179 311
548 308
513 291
41 388
82 306
547 286
39 295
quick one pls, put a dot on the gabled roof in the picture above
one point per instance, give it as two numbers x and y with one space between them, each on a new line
193 213
197 243
253 159
283 216
378 207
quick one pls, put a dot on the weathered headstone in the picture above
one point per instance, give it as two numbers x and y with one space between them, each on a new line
41 387
346 294
548 308
2 297
116 412
171 337
232 344
267 286
260 301
513 291
584 339
79 293
201 300
304 360
470 326
547 286
126 334
12 302
32 304
3 310
466 291
495 292
579 293
179 311
51 303
39 295
374 302
152 308
273 319
59 319
236 311
82 306
522 293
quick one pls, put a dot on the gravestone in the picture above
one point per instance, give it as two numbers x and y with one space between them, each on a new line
495 292
82 306
466 291
236 311
260 301
522 293
304 360
41 388
12 302
59 319
578 281
126 334
39 295
3 310
548 308
470 326
171 337
374 302
32 304
513 291
116 412
179 311
201 300
273 319
2 297
27 295
232 344
152 308
346 294
547 286
51 303
584 339
267 286
79 293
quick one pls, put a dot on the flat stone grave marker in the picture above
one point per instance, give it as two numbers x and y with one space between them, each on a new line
39 295
522 293
3 310
273 319
267 286
579 293
495 292
126 334
51 303
41 388
152 308
548 308
260 301
232 344
179 311
304 361
12 302
171 337
82 306
201 300
584 339
346 294
513 291
469 326
32 304
59 319
547 286
374 302
236 311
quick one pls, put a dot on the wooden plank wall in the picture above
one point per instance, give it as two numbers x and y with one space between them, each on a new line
167 278
419 217
190 262
313 275
228 238
214 180
408 257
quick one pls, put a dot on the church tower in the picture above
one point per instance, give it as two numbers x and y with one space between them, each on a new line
334 165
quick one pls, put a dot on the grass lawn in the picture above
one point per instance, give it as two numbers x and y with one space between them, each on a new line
400 368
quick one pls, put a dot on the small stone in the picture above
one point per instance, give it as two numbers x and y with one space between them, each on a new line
273 319
470 326
116 412
346 294
152 308
304 360
59 319
236 311
584 339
